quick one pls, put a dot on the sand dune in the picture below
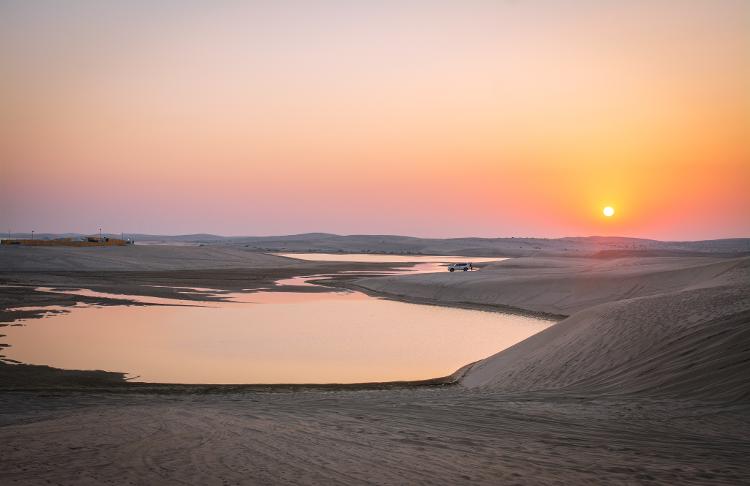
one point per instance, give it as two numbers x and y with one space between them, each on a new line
687 343
659 326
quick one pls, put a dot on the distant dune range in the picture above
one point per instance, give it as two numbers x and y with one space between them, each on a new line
511 247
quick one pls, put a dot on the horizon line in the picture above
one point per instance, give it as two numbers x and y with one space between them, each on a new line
214 235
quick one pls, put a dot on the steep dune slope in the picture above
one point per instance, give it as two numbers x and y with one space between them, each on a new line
689 342
659 325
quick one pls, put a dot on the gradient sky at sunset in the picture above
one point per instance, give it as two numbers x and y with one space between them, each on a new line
427 118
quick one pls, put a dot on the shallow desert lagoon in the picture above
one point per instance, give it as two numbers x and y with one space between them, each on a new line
270 337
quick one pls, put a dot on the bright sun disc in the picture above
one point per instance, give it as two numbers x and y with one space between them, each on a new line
608 211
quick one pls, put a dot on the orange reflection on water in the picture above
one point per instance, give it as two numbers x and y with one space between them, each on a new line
274 337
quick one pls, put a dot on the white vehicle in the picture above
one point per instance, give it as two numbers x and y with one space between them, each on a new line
460 266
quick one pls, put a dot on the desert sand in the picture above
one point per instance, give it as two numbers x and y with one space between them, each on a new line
661 326
644 381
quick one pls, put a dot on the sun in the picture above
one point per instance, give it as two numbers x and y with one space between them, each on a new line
608 211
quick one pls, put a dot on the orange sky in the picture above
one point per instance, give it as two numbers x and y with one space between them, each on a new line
425 118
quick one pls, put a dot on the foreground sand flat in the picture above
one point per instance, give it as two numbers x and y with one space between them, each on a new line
449 436
645 381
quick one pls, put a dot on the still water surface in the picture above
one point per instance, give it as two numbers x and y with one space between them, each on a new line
270 337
